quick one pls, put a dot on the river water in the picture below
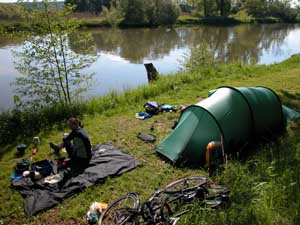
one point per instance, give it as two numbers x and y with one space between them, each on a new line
122 52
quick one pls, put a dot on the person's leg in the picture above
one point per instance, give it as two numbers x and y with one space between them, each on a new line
78 165
55 147
70 149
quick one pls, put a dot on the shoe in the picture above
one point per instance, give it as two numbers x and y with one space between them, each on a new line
55 147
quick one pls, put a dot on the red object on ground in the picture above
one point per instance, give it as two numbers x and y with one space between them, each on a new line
34 151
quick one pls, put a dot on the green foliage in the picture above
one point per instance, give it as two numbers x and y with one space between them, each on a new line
11 11
224 7
113 15
51 71
210 8
243 16
260 9
142 12
88 5
265 8
162 12
133 11
200 56
21 125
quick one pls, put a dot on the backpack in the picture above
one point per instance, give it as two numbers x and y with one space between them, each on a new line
152 107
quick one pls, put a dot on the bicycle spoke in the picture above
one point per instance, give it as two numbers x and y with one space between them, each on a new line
121 211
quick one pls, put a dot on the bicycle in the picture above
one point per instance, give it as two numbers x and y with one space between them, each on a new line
160 208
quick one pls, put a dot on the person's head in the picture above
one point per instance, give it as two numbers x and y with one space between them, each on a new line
74 123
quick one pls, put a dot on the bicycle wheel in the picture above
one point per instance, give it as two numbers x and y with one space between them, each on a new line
121 211
185 185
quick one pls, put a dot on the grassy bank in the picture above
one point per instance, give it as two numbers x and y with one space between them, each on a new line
265 188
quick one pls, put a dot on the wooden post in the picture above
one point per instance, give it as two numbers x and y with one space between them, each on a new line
152 73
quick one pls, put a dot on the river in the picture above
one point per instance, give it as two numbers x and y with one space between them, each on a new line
122 52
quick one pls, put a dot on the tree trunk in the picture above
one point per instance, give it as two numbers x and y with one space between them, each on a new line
205 8
55 54
222 6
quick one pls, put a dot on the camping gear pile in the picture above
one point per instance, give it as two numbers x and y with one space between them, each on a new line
35 170
153 108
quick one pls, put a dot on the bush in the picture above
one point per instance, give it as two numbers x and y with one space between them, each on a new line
200 56
10 11
133 11
143 12
243 16
162 12
113 15
22 125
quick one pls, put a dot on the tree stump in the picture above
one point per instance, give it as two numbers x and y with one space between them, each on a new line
152 73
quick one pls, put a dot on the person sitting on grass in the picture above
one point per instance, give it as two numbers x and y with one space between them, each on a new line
77 145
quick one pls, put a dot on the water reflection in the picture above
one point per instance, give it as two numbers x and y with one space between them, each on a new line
243 43
8 41
137 44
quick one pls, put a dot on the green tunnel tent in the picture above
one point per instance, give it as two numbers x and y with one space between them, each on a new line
240 115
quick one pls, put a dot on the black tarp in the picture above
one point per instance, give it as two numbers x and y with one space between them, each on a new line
107 161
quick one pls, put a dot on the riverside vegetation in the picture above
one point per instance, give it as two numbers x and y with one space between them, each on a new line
132 13
265 186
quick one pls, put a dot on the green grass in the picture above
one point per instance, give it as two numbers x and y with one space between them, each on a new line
94 22
264 187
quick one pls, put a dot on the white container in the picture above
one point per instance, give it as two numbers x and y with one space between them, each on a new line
36 141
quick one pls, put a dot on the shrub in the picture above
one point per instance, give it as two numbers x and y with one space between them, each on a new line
112 15
11 11
142 12
200 56
162 12
22 125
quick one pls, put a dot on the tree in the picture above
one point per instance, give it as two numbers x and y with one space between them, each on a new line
224 6
160 12
113 14
51 72
133 11
155 12
88 5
